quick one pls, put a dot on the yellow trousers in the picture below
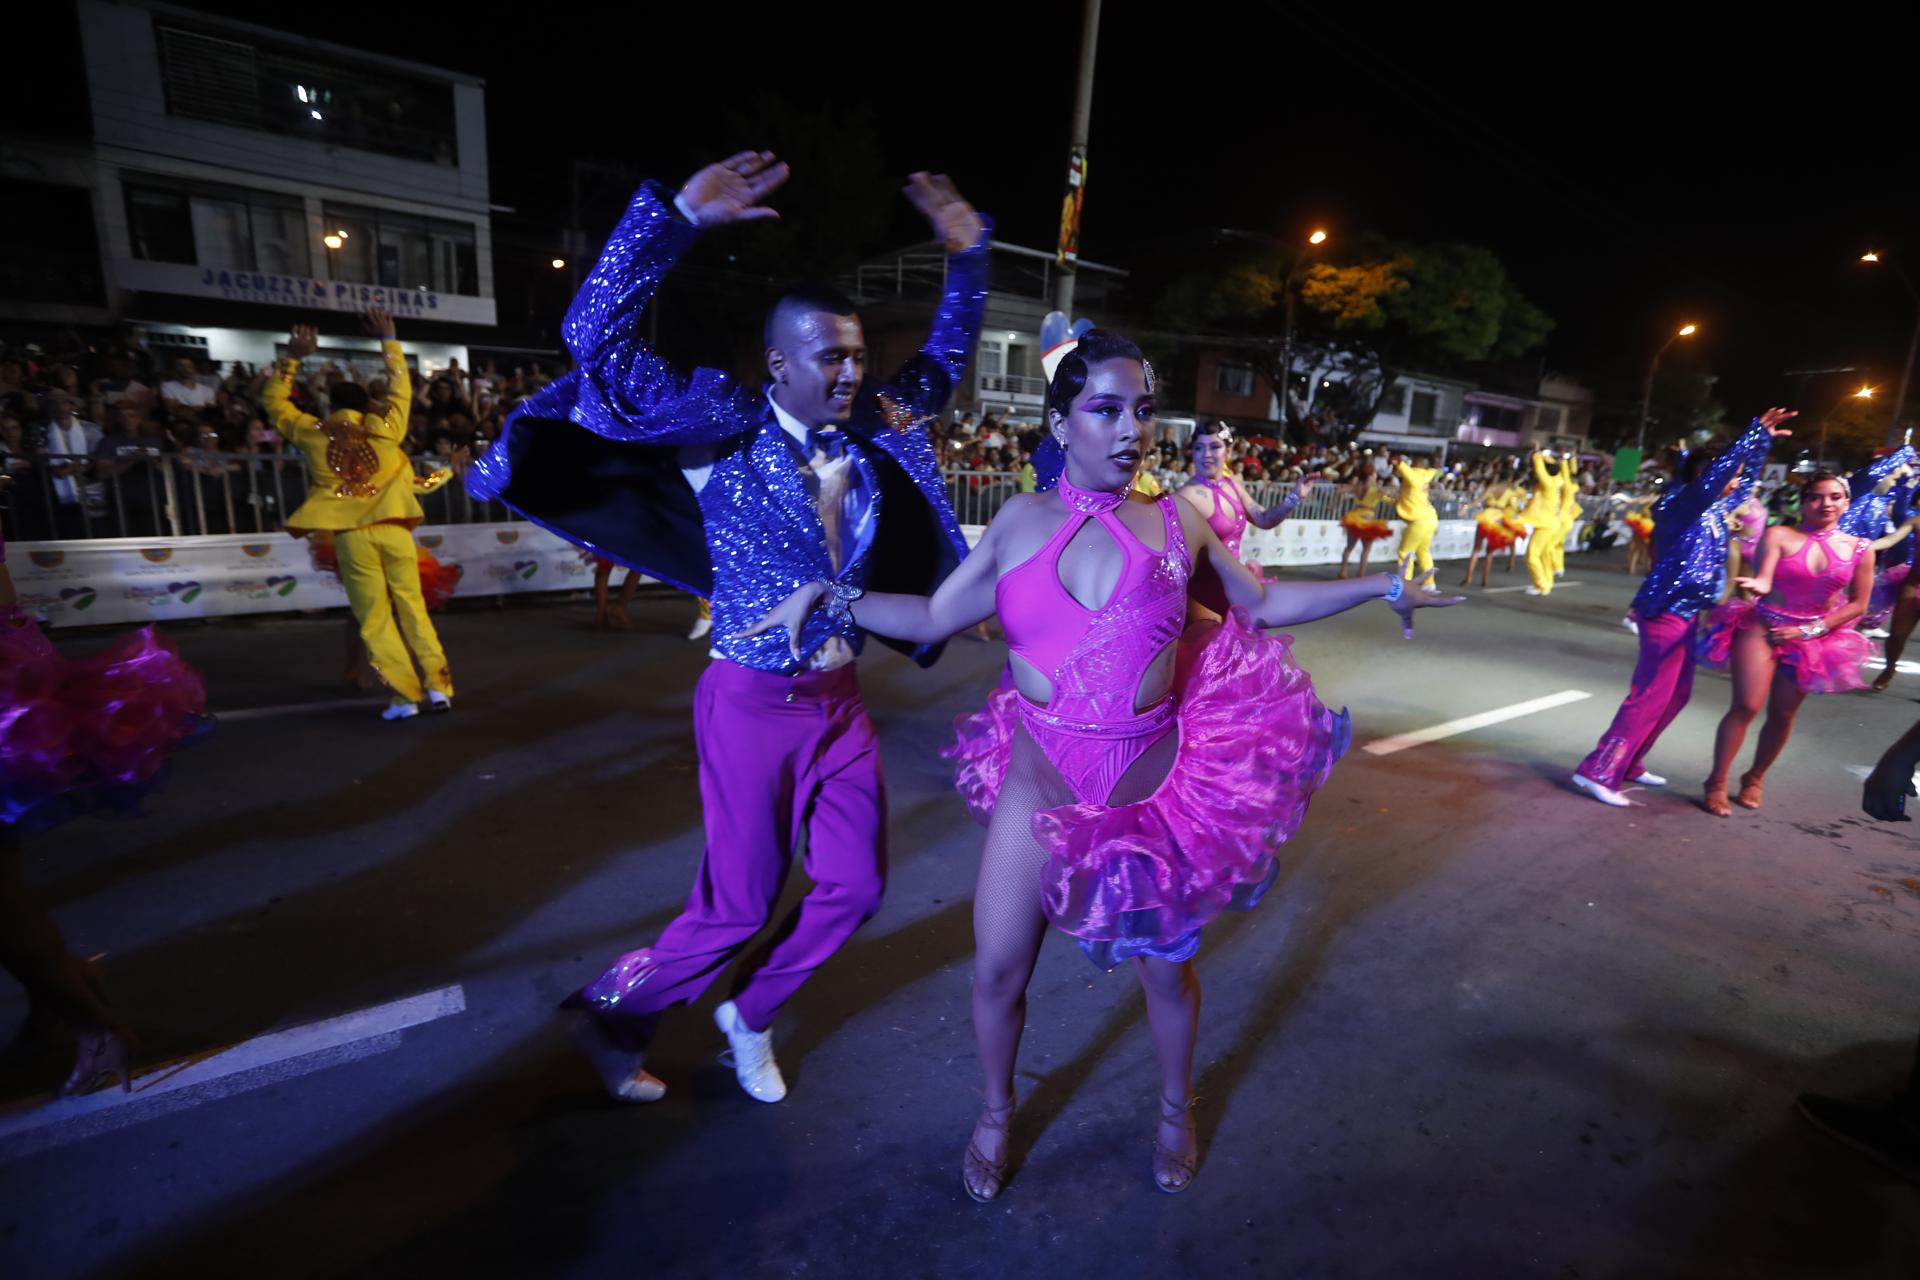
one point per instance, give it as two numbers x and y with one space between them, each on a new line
1416 540
380 568
1541 545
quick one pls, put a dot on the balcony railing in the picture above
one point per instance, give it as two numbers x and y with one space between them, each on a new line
1012 387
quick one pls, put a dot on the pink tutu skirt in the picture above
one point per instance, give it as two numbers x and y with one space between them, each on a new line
1828 664
1143 878
88 733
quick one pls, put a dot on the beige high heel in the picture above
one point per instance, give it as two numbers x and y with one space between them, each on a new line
983 1178
1174 1171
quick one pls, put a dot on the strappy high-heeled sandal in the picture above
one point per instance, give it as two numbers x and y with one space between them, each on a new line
976 1171
1753 789
1174 1171
1715 797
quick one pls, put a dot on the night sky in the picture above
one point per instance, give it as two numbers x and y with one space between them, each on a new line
1632 173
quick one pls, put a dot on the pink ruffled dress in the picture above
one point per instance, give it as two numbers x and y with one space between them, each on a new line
1825 664
91 733
1255 744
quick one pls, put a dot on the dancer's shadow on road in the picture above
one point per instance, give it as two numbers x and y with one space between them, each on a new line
1664 1109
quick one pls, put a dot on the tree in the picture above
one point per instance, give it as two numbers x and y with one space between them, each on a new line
1389 307
1850 432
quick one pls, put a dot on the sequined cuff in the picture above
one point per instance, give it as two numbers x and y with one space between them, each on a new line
840 598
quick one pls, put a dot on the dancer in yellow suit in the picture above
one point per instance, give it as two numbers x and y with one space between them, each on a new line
363 492
1541 515
1414 507
1569 511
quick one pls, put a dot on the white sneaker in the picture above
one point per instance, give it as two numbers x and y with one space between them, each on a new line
1604 794
1648 778
701 627
752 1053
400 709
1631 624
1535 591
438 701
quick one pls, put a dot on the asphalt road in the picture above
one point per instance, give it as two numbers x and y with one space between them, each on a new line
1483 1026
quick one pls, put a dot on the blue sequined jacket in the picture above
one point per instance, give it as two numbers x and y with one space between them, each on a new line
1690 532
597 455
1866 515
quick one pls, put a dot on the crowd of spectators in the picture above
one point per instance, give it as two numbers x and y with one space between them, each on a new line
115 439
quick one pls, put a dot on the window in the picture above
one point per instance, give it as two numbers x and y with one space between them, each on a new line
284 90
403 251
1393 401
222 227
1425 404
1549 419
1233 379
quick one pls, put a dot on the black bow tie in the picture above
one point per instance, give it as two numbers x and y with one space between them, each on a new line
831 443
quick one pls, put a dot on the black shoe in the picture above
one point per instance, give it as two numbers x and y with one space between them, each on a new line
1883 1133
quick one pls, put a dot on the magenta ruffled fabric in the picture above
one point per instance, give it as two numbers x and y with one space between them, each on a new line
1144 878
1829 664
90 732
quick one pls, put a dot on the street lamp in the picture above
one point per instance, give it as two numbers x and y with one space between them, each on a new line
1646 393
1314 241
559 264
1913 346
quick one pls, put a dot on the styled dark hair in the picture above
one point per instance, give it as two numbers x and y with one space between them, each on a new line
347 395
1823 474
805 297
1096 346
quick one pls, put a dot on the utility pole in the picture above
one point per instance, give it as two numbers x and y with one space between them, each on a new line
1069 249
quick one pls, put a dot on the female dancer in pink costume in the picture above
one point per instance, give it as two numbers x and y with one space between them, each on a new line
1223 501
77 735
1134 784
1793 636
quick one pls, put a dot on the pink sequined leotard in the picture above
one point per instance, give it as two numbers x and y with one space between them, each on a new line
1229 518
1095 658
1828 663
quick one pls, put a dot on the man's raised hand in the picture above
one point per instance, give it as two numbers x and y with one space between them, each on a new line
302 341
379 322
732 190
953 220
1772 419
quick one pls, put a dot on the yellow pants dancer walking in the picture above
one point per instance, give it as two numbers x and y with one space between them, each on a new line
363 493
1414 507
1569 512
1541 515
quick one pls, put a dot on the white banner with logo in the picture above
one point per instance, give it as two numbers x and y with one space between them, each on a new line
122 580
1307 542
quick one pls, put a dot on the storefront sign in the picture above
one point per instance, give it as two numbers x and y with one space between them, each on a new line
309 293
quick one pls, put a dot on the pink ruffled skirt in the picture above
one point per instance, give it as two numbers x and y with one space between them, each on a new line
1827 664
88 733
1144 878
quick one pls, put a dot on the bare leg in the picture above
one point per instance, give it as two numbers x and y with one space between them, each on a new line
1366 549
1752 663
1173 1012
1348 553
602 571
1479 544
1007 929
60 985
623 616
1906 610
1783 704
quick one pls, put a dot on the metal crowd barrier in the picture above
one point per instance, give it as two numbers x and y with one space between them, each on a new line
140 492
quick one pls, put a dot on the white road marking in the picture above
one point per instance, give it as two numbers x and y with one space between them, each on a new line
1494 591
1467 724
34 1125
296 709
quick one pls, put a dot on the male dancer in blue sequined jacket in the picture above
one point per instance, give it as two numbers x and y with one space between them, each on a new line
741 495
1689 575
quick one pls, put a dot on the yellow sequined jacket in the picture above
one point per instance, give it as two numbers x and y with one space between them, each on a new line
361 473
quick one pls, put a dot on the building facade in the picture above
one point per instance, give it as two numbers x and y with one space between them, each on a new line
239 179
